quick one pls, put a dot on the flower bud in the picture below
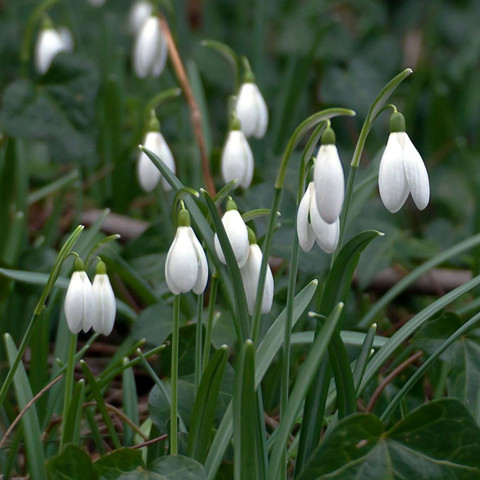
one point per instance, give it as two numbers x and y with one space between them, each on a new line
329 179
80 303
237 234
148 174
237 159
250 274
150 49
252 110
186 267
105 299
50 42
140 11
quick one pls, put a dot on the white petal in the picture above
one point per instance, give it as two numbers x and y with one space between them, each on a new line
80 306
161 148
158 64
181 266
106 306
306 236
49 44
147 45
140 11
392 183
416 174
202 274
237 159
326 234
237 234
250 274
67 38
329 182
252 110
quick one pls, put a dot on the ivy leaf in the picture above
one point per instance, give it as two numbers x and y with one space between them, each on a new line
439 440
72 463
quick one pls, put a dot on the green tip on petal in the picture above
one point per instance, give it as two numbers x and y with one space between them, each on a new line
252 238
153 123
328 136
183 218
78 265
101 268
397 122
231 205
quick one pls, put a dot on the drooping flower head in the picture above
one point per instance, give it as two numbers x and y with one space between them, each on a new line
237 157
105 299
80 302
329 179
50 43
148 174
250 275
150 49
252 110
312 227
237 234
402 171
186 267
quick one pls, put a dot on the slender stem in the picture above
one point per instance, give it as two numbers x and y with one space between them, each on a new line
174 375
263 269
346 206
211 311
196 116
198 343
69 374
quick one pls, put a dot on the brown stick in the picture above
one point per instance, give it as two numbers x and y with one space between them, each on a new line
26 407
149 442
389 378
195 114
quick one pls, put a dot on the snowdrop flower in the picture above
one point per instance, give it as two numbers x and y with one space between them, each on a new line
250 274
50 43
237 234
328 178
140 11
148 174
251 110
312 227
105 300
237 157
186 266
80 303
150 49
402 170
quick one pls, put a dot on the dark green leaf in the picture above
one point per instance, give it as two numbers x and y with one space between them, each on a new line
71 464
110 467
437 441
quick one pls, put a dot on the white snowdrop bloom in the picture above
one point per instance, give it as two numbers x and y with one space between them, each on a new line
312 227
237 234
140 11
402 171
329 179
49 44
252 110
80 303
150 49
105 298
96 3
250 274
237 159
148 174
186 266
